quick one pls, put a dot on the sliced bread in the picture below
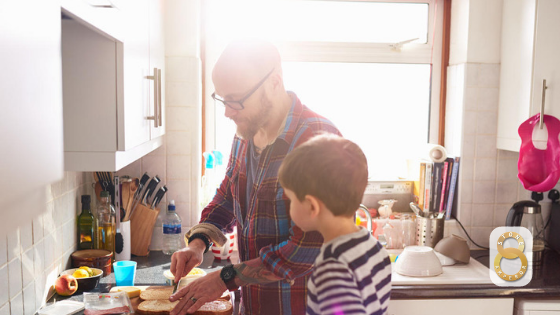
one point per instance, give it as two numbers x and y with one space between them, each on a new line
156 307
163 307
158 293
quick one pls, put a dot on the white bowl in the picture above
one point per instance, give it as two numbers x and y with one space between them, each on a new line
418 261
445 261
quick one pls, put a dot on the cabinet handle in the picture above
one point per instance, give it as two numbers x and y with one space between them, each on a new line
155 78
544 87
159 99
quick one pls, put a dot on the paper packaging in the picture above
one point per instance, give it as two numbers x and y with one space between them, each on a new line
125 232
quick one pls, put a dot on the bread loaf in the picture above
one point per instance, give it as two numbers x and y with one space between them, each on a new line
164 307
161 293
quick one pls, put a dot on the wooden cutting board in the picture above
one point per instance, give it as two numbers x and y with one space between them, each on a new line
135 301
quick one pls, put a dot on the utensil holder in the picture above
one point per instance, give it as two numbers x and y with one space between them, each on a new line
125 232
142 223
429 231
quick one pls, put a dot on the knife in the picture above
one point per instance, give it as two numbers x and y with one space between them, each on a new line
159 195
175 286
149 190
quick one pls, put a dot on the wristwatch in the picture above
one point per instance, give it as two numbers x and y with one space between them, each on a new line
228 277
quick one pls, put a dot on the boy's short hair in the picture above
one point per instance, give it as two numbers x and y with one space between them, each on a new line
330 168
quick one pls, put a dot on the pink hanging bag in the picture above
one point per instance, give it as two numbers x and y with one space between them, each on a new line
539 170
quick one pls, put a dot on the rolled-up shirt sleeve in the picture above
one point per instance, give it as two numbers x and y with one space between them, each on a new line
294 257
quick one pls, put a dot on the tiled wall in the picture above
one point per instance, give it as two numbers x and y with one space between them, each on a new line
488 184
33 254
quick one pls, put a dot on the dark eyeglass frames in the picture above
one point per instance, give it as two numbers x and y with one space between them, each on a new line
238 105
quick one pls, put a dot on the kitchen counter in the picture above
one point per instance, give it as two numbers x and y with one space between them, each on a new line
544 284
149 271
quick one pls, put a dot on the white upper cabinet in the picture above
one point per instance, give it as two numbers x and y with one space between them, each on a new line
112 85
30 99
530 49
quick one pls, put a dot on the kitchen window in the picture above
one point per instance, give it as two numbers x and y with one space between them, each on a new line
372 67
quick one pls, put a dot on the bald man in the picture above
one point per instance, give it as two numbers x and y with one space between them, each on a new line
276 256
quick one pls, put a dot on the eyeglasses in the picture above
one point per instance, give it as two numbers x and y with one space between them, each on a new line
238 105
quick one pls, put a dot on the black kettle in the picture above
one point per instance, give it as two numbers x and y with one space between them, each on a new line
515 214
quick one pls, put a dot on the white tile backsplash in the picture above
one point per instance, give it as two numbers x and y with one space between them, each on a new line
29 299
41 247
14 244
14 277
27 267
485 169
4 290
16 304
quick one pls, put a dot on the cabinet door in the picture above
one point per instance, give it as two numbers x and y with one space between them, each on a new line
547 61
518 27
30 98
135 128
157 60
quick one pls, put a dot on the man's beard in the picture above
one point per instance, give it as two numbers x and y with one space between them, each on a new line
251 125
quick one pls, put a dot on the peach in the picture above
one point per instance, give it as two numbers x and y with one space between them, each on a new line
66 285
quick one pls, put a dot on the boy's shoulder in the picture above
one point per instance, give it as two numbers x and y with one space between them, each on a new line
347 248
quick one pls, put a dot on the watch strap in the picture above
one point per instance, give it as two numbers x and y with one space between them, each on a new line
202 237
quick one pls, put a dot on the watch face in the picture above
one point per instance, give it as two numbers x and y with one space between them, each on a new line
228 273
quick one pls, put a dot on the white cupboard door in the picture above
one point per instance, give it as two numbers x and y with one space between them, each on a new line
518 26
157 61
30 98
134 127
547 61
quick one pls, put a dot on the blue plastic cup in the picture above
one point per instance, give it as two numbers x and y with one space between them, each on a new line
125 272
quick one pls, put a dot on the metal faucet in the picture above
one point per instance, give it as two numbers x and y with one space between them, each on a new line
368 215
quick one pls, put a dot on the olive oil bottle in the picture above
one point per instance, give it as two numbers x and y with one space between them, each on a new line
106 222
86 225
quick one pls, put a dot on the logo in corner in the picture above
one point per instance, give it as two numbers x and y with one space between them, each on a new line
509 248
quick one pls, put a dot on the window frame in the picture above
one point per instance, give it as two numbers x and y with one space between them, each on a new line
291 51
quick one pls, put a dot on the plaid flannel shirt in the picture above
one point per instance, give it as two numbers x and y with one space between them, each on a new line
264 227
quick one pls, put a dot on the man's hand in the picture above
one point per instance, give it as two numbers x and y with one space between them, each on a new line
184 260
198 292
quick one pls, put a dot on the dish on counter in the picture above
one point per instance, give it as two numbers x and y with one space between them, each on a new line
418 261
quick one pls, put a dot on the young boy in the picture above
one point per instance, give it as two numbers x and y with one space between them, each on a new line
325 179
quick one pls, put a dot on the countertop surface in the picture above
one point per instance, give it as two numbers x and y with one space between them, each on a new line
544 284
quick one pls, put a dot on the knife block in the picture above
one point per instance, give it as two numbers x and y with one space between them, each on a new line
142 223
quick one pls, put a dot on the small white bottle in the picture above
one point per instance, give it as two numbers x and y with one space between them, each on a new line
172 236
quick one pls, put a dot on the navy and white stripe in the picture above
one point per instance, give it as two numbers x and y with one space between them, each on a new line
352 275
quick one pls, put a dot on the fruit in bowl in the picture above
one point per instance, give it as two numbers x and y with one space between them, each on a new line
66 285
87 277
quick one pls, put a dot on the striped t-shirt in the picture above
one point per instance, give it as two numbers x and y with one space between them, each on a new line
352 275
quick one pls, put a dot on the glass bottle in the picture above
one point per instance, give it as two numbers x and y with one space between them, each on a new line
86 225
106 224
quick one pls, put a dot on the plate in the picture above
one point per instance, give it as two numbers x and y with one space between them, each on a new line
62 308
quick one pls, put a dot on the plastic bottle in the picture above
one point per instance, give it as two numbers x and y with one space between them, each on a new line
86 225
172 236
106 224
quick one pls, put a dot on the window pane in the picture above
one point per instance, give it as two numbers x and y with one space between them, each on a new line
384 108
312 21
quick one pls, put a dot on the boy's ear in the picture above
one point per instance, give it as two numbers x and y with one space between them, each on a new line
314 204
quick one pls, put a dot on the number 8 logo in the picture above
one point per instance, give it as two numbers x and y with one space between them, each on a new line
510 253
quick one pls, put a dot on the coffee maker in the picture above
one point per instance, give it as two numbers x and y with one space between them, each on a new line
553 229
